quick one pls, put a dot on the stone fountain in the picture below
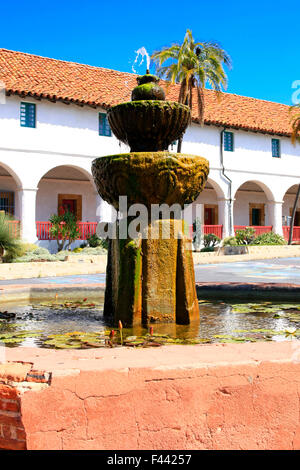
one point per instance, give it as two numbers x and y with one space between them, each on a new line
150 277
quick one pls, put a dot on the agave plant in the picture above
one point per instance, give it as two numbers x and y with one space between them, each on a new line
193 65
9 245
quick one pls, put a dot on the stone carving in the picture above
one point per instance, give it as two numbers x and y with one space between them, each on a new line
150 178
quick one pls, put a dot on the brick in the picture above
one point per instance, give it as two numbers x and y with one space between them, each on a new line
21 434
38 376
9 417
6 433
7 392
9 405
15 371
9 444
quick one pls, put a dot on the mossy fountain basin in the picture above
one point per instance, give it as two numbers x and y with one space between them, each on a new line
148 125
150 177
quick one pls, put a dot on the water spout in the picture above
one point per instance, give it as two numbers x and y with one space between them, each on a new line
144 54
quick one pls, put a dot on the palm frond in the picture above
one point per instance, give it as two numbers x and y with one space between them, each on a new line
193 64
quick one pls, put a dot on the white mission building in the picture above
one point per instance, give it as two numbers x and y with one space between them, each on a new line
53 124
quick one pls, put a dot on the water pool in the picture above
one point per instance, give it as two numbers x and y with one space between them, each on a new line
80 324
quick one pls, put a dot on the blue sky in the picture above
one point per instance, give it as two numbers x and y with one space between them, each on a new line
262 37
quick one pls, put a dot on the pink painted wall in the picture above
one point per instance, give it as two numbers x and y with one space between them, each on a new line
176 397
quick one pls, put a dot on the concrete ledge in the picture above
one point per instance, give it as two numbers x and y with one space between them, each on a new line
255 253
77 264
176 397
205 290
249 291
34 292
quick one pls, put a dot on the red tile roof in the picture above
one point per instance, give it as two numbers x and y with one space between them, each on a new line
58 80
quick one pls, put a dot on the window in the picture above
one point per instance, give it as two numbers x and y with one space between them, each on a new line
276 148
228 141
71 203
7 202
104 127
27 115
256 214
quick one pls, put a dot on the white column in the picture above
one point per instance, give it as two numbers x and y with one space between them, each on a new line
275 216
104 211
27 209
225 209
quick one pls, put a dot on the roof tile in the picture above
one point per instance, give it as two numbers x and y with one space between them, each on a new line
41 77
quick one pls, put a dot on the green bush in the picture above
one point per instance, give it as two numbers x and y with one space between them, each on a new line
10 247
245 236
64 229
269 238
94 241
207 249
210 240
230 241
98 250
37 254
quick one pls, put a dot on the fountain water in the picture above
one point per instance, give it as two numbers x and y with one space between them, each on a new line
150 278
144 54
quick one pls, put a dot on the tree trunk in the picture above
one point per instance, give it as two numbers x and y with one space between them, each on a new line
293 215
179 145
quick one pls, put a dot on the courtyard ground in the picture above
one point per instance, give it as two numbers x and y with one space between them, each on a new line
282 270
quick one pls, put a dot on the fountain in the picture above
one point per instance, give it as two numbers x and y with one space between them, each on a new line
150 277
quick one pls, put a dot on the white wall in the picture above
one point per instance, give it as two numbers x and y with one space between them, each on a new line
241 206
68 135
47 198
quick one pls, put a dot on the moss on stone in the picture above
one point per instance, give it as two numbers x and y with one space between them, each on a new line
129 282
148 91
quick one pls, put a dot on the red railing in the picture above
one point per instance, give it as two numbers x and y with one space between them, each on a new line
215 229
206 229
86 229
14 228
259 229
296 233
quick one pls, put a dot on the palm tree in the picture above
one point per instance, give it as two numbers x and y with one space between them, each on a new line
193 65
295 137
295 110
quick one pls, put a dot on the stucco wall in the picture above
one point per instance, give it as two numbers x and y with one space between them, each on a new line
47 197
68 135
220 396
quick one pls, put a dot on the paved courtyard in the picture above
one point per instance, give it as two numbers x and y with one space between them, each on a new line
283 270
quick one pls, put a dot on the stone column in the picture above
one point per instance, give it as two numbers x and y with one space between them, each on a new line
225 209
275 216
27 210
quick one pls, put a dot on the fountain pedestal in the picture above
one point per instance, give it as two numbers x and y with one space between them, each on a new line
150 275
152 279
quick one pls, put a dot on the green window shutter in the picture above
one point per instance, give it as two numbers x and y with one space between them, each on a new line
276 148
27 115
228 141
104 127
